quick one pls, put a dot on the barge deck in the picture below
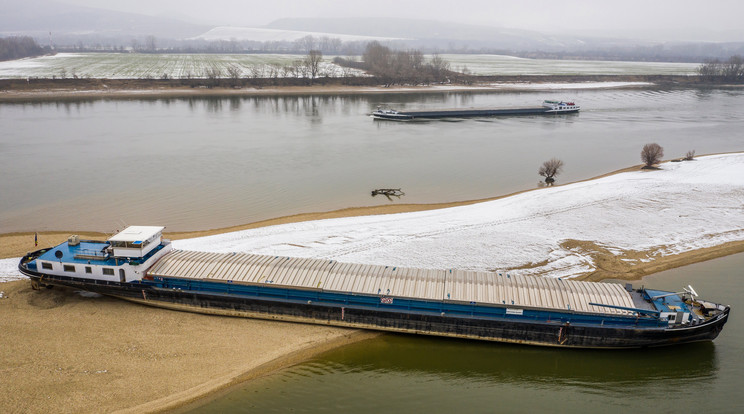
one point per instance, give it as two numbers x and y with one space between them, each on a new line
445 302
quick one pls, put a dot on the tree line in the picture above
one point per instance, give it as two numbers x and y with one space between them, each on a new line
20 47
399 66
731 70
151 44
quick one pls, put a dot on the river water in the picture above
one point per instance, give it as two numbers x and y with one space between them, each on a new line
202 163
401 373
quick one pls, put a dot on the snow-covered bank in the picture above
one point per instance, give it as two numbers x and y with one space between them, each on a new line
569 85
9 270
682 207
532 86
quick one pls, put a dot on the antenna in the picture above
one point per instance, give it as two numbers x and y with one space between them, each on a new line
691 291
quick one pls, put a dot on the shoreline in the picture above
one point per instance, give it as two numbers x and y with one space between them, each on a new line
196 396
39 90
42 95
609 265
16 244
67 352
70 312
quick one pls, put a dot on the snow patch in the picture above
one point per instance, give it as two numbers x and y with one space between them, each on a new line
641 210
682 207
576 85
9 270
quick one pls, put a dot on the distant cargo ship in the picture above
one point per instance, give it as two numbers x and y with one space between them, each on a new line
137 264
548 108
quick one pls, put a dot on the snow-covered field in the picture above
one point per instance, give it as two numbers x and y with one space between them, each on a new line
155 66
510 65
683 206
142 65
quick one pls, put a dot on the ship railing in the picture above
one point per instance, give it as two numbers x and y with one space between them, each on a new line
650 312
90 254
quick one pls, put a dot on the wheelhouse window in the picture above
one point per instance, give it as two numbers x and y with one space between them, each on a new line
69 268
46 265
108 272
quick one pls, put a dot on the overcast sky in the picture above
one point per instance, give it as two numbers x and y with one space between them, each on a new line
684 19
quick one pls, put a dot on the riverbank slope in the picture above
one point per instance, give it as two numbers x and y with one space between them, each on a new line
22 90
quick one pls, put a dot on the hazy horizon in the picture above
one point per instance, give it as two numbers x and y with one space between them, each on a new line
717 20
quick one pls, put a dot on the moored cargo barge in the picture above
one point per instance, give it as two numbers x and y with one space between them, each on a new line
139 265
548 107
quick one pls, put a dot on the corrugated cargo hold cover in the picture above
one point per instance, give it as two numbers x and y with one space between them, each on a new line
426 284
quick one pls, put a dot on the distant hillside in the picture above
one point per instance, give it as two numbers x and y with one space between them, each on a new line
39 17
425 31
276 35
455 37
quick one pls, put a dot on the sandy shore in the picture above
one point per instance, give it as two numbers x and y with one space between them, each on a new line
103 91
65 352
626 266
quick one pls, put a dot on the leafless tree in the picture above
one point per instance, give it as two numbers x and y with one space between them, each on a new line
401 67
306 43
257 71
651 154
300 68
234 72
439 67
150 43
690 155
312 62
550 169
288 72
731 70
213 76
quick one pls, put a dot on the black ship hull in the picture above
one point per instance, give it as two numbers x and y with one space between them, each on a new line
544 333
467 113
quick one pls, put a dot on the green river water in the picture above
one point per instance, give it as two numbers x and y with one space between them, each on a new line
402 373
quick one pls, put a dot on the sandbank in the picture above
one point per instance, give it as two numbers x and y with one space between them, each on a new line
67 352
70 353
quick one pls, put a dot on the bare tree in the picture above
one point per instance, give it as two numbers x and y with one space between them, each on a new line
300 68
213 76
731 70
690 155
439 67
312 62
306 43
234 72
150 43
651 154
550 169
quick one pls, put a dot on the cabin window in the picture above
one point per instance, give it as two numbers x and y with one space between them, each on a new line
69 268
88 269
122 276
108 272
46 265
